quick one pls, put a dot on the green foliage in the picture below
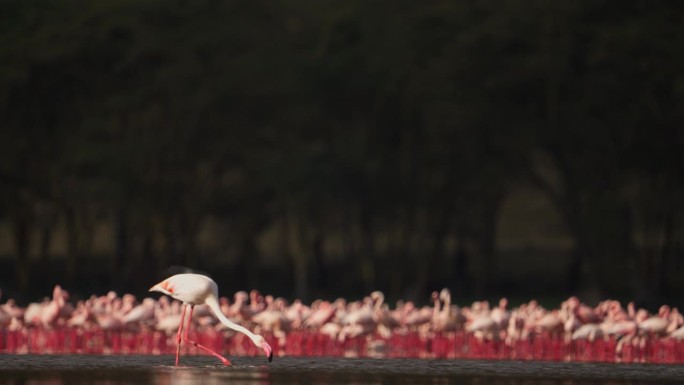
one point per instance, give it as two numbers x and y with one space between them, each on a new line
396 127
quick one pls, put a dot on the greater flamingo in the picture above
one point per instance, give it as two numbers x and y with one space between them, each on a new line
197 289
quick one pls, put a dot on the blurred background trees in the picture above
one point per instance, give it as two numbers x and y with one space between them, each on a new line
333 148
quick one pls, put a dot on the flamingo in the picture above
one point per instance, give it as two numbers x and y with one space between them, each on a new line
451 317
501 314
197 289
319 317
10 307
549 324
358 320
382 315
140 314
656 325
588 332
274 320
678 334
5 318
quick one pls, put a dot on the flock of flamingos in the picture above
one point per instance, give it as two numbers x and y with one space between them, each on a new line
248 323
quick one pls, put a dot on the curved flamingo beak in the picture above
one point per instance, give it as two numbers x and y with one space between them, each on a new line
268 350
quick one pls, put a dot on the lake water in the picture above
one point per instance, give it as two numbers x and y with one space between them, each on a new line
109 370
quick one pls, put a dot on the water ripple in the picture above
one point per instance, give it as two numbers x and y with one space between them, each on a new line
67 369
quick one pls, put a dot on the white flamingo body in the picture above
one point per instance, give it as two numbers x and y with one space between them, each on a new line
620 328
197 289
656 325
11 308
169 323
188 288
140 313
33 313
588 332
320 316
678 334
4 318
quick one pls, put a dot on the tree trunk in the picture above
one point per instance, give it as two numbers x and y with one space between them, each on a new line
663 286
151 263
294 233
572 283
46 232
169 257
189 222
487 246
319 268
121 246
580 274
22 264
366 264
248 260
461 282
73 255
434 258
415 267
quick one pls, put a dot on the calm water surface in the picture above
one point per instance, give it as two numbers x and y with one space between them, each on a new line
107 370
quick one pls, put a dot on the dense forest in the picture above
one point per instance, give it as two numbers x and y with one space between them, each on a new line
357 144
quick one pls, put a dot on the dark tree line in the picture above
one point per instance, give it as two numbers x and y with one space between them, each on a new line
369 143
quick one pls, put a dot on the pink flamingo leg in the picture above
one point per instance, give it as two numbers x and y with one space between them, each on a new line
178 335
185 338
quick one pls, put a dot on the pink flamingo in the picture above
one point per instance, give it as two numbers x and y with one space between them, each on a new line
273 319
80 317
500 314
319 317
656 325
56 308
140 314
5 318
297 313
583 312
358 320
448 318
10 307
588 332
384 318
197 289
550 324
240 308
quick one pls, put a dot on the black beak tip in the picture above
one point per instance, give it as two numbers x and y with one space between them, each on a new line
270 357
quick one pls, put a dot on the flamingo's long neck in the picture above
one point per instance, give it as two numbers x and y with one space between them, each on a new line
379 301
446 309
213 304
436 307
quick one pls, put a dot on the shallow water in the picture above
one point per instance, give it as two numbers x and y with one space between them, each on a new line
106 370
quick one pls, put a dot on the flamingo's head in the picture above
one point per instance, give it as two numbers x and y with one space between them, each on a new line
261 342
163 287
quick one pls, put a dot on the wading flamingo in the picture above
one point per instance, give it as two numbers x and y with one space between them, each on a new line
197 289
